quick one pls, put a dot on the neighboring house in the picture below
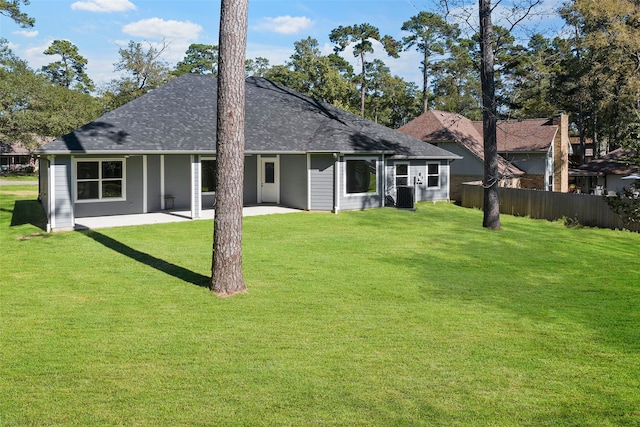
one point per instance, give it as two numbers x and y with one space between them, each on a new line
533 153
457 134
605 174
158 152
15 156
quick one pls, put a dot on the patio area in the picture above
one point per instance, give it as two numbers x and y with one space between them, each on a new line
168 216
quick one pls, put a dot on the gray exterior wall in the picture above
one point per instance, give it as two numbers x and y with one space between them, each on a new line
322 182
360 201
250 180
153 184
418 180
468 165
533 164
293 181
133 189
177 180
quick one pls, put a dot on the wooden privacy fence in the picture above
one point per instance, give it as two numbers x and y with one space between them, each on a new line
586 209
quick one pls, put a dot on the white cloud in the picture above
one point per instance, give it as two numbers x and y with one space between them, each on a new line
277 55
174 36
158 28
103 5
29 34
35 57
285 24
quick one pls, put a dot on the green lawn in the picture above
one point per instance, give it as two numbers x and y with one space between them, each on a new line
383 317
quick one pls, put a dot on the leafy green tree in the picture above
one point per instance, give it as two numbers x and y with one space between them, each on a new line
31 106
69 71
429 34
391 100
456 81
11 9
361 37
257 67
607 45
144 70
199 59
531 94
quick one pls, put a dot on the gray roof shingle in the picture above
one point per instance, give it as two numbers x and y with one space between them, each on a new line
180 117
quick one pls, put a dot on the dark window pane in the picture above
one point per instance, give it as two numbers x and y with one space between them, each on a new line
88 170
361 176
402 169
209 176
433 181
88 190
111 169
402 180
111 189
433 169
269 173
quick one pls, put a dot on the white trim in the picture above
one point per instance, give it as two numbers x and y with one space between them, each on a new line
100 160
439 176
336 178
145 202
52 194
395 175
196 187
162 182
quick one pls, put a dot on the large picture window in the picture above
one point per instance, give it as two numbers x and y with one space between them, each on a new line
362 176
433 175
209 170
100 180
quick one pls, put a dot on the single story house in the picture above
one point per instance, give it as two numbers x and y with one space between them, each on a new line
605 174
159 152
16 156
533 153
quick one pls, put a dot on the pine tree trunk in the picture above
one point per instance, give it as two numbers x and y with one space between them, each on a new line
226 270
425 83
489 120
363 87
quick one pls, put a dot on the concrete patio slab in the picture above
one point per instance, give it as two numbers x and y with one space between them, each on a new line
167 217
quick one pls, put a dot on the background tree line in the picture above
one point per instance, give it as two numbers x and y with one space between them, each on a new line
592 73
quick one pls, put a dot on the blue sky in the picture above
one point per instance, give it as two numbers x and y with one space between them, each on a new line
100 27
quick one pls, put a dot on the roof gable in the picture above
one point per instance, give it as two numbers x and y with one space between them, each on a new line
528 135
439 126
180 117
613 163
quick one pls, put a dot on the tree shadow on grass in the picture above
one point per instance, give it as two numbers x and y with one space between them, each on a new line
28 212
149 260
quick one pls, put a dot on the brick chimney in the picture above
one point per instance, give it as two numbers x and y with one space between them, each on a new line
561 154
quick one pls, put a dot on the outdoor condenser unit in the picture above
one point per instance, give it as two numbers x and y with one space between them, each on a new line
404 197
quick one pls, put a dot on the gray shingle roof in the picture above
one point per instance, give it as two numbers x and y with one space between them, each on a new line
180 117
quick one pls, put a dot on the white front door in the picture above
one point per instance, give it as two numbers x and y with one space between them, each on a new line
269 180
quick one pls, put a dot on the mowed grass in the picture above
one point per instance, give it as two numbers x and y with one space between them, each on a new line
382 317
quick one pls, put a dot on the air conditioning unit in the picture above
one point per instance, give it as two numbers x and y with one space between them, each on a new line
404 198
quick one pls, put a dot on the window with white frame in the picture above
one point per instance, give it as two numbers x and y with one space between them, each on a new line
209 171
402 174
100 180
433 175
361 176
